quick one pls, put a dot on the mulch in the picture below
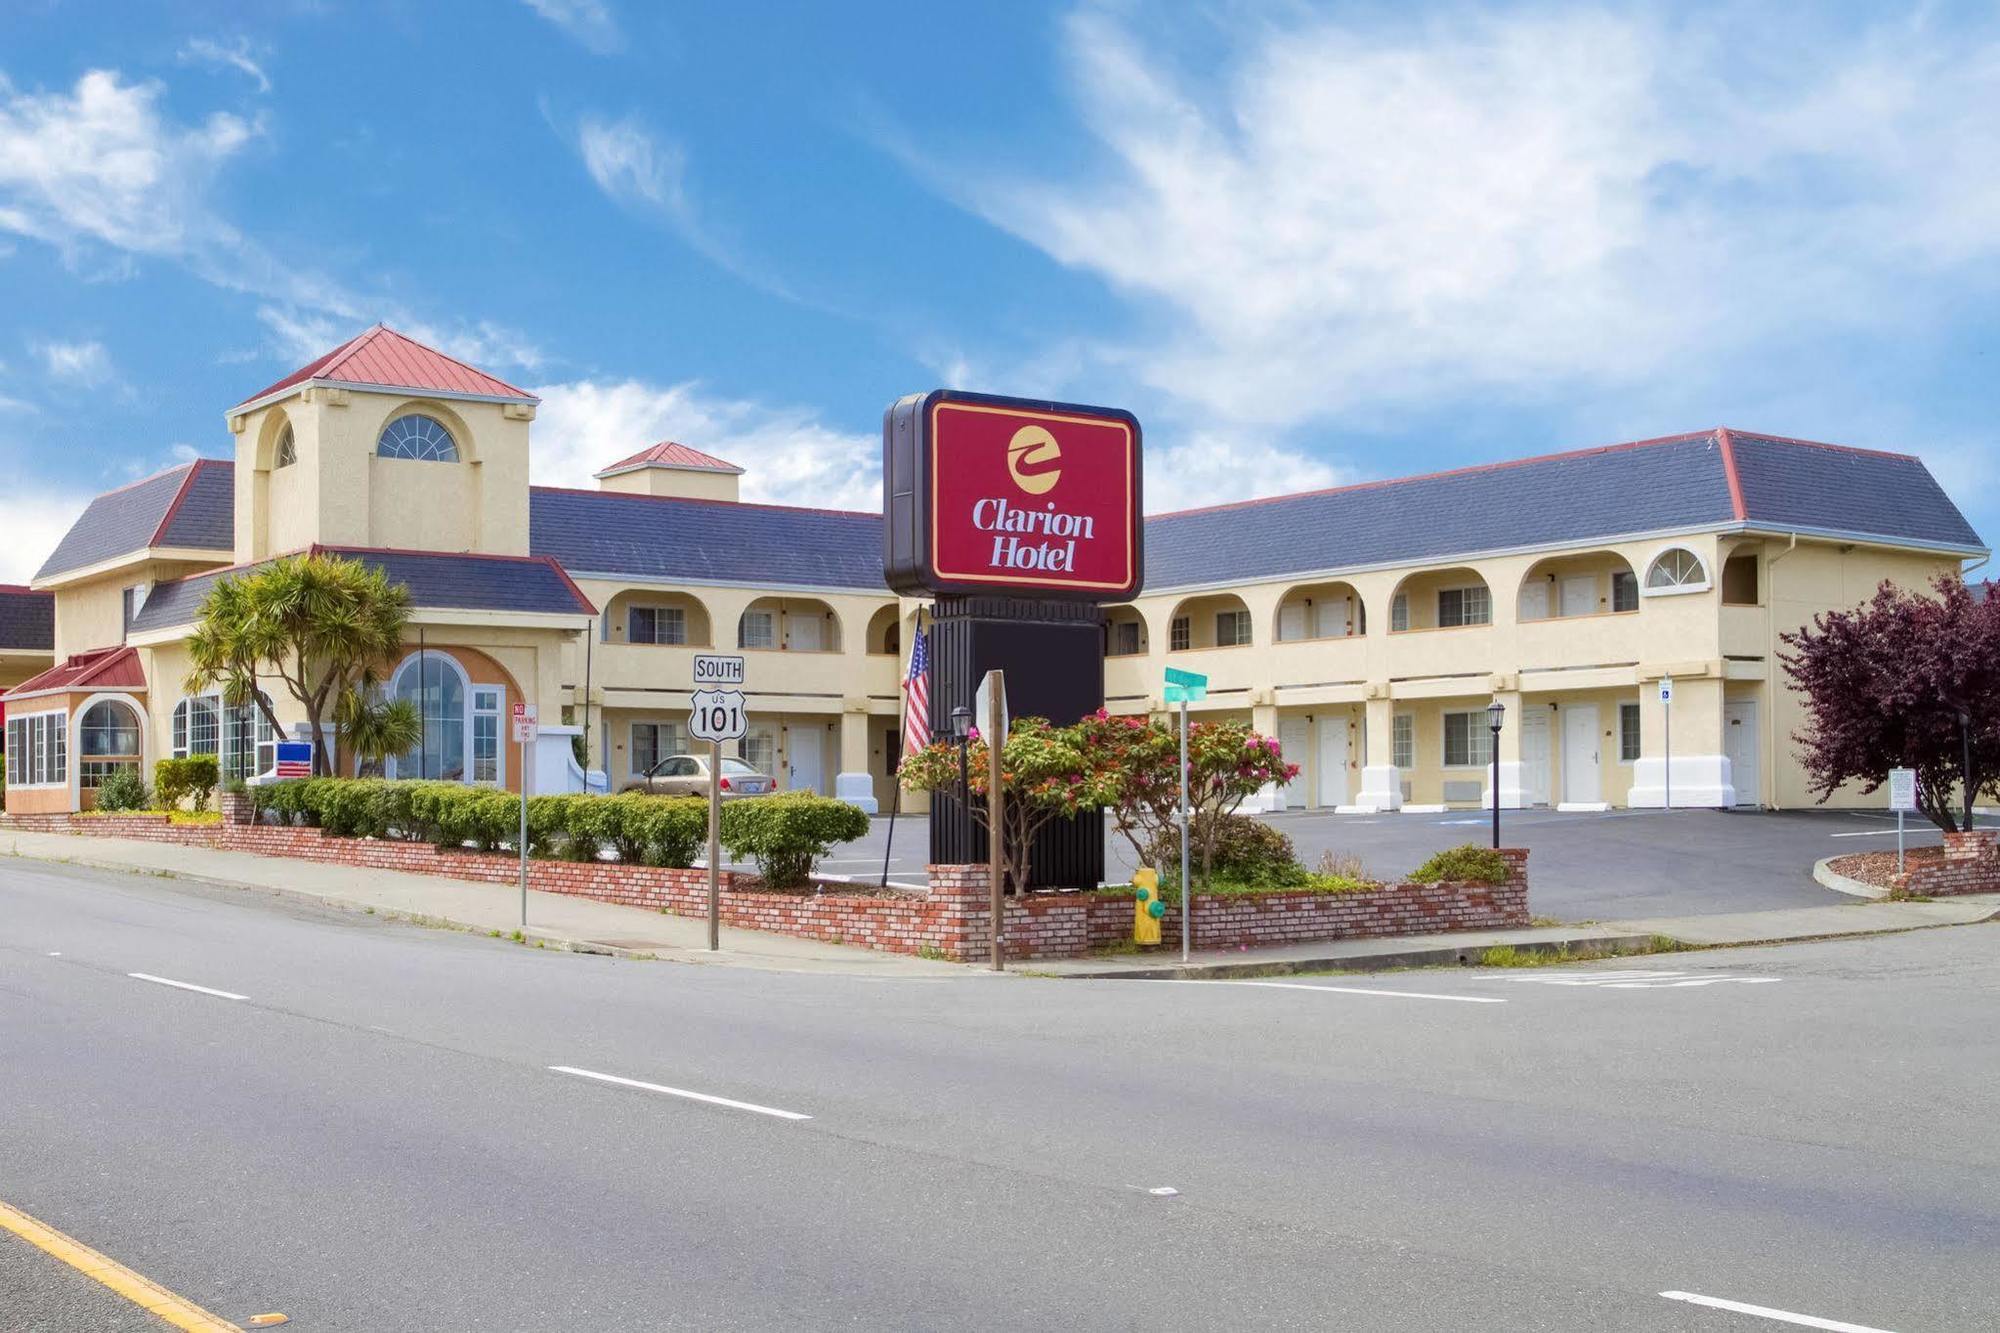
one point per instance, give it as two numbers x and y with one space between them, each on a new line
1877 867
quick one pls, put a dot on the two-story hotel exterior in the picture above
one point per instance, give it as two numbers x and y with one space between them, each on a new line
1368 627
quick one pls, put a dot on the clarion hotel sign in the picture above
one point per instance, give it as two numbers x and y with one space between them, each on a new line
988 494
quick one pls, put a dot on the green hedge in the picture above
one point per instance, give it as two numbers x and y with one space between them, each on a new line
1469 864
785 834
191 779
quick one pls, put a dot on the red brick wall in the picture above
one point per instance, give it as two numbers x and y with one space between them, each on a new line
1971 864
951 921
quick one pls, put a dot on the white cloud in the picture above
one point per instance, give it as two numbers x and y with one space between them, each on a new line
34 519
789 455
1350 220
633 165
590 22
233 55
80 363
1205 468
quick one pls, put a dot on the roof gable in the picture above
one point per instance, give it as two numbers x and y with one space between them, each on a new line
1802 484
190 506
381 358
670 454
99 669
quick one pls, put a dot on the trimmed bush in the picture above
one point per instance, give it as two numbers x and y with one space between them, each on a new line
1251 852
123 789
191 779
787 835
1469 864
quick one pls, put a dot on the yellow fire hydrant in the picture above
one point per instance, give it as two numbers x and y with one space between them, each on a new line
1147 908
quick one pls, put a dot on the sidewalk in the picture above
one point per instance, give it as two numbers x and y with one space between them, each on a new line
555 919
1601 939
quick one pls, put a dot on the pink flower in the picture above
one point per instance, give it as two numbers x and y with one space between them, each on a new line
972 734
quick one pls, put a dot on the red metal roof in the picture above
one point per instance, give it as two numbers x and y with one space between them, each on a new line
385 358
98 669
667 453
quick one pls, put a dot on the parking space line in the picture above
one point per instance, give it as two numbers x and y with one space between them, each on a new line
709 1098
142 1291
186 985
1766 1312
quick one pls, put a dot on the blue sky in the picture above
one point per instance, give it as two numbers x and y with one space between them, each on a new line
1305 243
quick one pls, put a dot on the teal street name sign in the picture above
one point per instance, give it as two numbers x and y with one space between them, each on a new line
1190 694
1176 676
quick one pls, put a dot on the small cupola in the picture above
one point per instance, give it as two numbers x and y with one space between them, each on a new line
672 469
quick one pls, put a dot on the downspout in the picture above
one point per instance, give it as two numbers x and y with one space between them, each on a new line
1770 765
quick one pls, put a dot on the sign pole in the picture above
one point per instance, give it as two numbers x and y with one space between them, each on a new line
1667 734
714 846
524 830
996 744
1187 890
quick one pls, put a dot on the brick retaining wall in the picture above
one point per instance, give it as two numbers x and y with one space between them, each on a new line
950 921
1971 864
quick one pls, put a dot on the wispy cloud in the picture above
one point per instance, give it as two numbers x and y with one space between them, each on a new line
237 54
34 518
790 455
590 22
79 363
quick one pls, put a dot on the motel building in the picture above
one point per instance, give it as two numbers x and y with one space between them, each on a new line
1368 627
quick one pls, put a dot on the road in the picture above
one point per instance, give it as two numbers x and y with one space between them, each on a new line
1584 867
381 1133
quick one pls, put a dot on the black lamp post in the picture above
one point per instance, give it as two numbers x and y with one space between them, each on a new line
1965 764
961 732
1496 713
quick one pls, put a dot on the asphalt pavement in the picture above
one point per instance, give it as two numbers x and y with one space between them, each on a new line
1584 867
369 1125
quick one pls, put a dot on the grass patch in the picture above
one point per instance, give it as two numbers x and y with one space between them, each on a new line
1510 955
197 817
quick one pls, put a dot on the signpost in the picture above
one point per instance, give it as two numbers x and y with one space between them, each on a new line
993 719
1902 799
1182 688
1667 731
716 716
527 726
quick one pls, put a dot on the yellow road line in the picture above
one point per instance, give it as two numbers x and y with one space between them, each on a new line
143 1292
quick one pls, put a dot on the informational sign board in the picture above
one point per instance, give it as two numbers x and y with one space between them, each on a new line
717 669
717 715
988 494
1902 789
989 713
527 725
294 760
1666 689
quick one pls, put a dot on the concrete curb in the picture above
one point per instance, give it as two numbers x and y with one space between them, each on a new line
1827 877
1582 948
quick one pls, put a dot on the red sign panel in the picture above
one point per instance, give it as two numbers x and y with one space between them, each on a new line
1012 493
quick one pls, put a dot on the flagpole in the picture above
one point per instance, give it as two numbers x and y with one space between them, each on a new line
895 783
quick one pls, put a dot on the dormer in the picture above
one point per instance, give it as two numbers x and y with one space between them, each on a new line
383 442
673 469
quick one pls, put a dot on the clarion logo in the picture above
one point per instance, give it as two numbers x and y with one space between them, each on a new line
1009 525
1033 448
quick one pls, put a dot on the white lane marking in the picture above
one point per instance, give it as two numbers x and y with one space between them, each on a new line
1337 990
186 985
55 953
1866 833
1766 1312
1641 980
680 1092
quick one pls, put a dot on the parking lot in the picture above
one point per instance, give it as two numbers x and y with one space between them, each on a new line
1583 867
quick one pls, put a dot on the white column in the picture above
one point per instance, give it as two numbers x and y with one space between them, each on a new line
1511 795
1381 783
853 783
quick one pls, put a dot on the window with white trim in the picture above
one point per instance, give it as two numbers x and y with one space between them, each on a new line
1180 634
1628 733
1124 638
197 726
107 740
1468 740
757 629
759 749
288 449
249 745
37 750
656 624
654 741
1676 569
416 436
1232 628
1403 740
486 734
1464 606
1399 613
1624 590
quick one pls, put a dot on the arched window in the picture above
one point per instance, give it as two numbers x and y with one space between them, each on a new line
288 449
107 738
417 436
1676 569
437 686
197 726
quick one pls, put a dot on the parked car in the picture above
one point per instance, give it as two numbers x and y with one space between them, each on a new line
687 775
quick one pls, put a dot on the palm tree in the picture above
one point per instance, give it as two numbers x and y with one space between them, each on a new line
321 623
377 728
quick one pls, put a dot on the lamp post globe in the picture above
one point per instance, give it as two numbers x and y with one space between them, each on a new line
1496 714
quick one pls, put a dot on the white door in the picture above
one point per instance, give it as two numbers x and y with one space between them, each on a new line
1332 761
1535 753
1579 595
1580 773
1336 617
803 766
1292 749
1739 742
1292 622
802 633
1535 600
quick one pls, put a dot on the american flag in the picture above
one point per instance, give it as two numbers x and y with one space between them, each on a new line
917 700
295 759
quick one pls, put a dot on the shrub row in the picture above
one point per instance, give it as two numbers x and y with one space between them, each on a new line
785 834
192 779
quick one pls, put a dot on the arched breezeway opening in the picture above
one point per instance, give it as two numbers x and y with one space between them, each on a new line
1440 599
1320 611
1586 584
